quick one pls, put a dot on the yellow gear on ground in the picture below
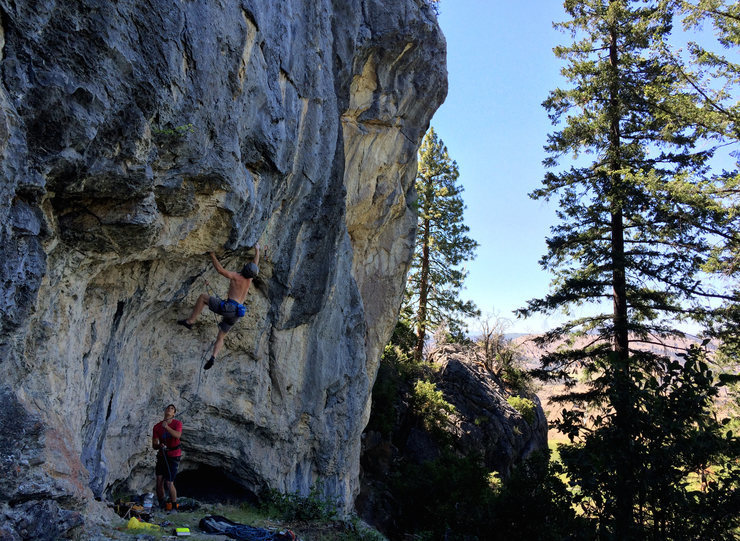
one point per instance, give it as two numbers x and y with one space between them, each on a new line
135 524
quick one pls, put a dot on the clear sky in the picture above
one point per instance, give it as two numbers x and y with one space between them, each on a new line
501 68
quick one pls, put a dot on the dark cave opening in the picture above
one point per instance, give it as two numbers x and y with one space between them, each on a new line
207 484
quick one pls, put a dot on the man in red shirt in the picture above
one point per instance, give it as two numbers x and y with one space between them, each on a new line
166 439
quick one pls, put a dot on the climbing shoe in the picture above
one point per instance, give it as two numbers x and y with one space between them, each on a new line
209 363
184 323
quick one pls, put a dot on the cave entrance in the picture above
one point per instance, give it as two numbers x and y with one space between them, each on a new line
211 485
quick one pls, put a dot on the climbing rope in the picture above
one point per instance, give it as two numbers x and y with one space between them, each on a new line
197 386
203 357
210 291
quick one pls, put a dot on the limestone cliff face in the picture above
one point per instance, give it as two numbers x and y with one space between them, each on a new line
135 137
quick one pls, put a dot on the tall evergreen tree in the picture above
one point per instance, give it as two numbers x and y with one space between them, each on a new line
627 246
716 78
442 246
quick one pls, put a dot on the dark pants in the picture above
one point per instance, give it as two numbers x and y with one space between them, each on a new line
225 309
167 468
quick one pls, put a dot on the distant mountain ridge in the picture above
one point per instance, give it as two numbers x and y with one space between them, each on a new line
530 353
670 346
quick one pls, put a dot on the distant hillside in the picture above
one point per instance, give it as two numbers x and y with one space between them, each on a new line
513 335
670 346
531 353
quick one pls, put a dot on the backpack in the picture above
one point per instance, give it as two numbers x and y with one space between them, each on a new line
216 524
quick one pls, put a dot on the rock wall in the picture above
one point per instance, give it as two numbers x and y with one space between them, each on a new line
135 137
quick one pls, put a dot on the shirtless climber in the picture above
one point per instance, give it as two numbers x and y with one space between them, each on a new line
232 308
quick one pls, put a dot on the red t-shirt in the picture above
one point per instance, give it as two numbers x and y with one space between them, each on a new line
167 439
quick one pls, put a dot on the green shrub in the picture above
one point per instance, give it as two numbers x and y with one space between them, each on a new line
516 378
534 503
442 498
524 406
293 506
455 498
385 394
429 404
397 374
176 132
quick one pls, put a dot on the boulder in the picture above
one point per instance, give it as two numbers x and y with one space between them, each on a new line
484 423
481 425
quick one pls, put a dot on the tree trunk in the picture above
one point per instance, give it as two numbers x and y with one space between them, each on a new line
623 513
421 315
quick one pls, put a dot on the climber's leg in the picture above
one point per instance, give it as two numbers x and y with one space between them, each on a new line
160 490
219 343
216 349
199 305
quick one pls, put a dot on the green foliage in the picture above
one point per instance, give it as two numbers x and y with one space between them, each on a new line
433 494
397 371
431 407
356 530
535 503
401 354
524 406
640 223
293 506
717 76
432 297
385 394
453 498
674 435
516 377
176 132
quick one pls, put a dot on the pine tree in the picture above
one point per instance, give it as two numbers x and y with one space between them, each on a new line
630 246
442 246
716 78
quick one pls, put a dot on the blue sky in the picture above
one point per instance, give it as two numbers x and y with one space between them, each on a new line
501 68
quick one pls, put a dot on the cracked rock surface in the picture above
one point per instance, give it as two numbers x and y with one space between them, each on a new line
138 136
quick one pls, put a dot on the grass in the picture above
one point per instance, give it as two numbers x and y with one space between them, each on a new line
350 529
